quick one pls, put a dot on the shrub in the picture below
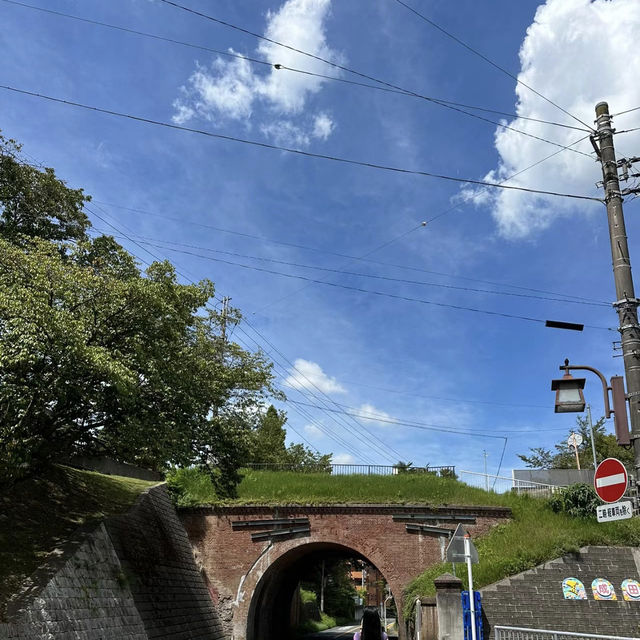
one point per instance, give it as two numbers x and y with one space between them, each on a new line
578 500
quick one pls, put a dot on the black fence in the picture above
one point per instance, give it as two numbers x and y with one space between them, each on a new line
447 471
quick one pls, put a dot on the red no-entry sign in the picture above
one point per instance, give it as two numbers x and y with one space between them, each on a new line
610 480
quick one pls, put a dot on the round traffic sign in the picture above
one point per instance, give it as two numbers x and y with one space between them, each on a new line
610 480
575 440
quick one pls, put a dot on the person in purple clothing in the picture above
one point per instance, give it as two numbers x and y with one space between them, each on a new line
371 626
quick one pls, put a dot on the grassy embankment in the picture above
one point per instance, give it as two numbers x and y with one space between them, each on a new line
39 515
535 534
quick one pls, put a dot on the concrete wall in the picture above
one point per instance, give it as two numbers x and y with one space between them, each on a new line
534 598
132 578
113 468
559 477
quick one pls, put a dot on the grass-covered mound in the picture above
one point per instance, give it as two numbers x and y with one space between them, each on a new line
40 514
535 535
191 488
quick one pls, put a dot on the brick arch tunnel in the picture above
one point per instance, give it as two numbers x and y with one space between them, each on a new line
251 555
270 608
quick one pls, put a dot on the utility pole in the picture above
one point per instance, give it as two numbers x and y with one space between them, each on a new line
486 477
626 302
593 442
223 322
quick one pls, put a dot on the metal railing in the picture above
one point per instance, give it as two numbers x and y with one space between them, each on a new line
519 633
503 484
447 471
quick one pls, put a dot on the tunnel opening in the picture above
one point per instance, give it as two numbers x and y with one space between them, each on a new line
280 604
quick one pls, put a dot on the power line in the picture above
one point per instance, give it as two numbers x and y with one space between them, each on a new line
426 426
486 59
566 297
310 382
138 33
308 154
446 399
331 435
627 130
513 175
620 113
377 87
368 291
172 244
446 104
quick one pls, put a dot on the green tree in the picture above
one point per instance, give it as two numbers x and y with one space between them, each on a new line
564 456
268 444
297 455
35 203
97 357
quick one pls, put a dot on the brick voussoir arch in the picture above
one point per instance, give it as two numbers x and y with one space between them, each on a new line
253 577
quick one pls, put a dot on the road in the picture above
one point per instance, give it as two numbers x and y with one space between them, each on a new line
342 633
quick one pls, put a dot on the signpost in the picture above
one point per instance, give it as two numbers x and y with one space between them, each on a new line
461 549
610 480
617 511
575 440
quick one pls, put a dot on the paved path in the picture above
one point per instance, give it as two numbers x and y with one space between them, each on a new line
342 633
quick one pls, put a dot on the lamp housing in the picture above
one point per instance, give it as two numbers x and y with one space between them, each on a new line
569 396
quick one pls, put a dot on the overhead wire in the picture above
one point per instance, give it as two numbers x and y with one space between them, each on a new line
347 256
446 104
369 291
621 113
330 433
300 152
433 427
171 244
390 88
486 59
310 382
322 427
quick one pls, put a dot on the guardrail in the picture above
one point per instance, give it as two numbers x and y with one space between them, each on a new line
447 471
519 633
503 484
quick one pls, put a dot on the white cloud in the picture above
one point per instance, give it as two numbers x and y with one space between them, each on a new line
368 413
576 53
312 431
233 89
310 376
323 125
343 458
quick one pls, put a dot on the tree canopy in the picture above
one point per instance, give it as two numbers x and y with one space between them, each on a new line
564 456
97 356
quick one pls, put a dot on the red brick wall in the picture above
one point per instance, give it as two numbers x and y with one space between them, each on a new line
235 565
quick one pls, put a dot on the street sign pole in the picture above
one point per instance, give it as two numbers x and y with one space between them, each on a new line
472 605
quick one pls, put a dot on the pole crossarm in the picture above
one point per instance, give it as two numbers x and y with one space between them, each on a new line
605 387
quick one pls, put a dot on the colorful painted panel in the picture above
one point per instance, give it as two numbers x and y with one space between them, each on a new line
603 590
631 590
573 589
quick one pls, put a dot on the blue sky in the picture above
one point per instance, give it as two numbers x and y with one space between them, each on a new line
377 355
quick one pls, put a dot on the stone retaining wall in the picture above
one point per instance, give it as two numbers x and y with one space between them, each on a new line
534 598
132 578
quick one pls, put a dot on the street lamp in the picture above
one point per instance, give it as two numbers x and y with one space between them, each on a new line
569 398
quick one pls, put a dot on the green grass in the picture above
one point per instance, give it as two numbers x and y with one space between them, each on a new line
536 534
288 487
40 514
